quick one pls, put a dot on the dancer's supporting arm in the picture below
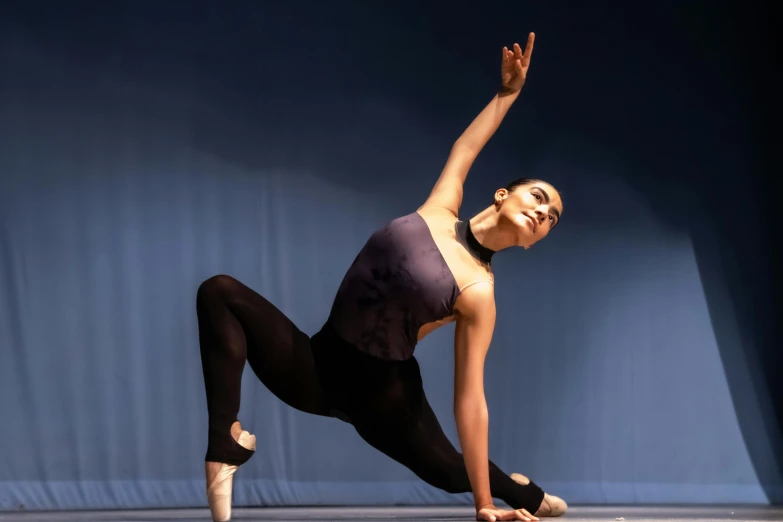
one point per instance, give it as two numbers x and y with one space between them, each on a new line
447 192
472 337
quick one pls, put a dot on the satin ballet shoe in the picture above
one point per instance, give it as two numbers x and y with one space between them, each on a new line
551 506
219 489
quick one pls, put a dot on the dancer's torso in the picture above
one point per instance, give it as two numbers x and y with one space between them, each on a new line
404 283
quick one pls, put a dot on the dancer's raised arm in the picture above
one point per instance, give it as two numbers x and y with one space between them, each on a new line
447 192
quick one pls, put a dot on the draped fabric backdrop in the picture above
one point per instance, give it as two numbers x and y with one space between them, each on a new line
624 367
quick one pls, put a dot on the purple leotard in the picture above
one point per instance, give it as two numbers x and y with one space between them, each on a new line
398 282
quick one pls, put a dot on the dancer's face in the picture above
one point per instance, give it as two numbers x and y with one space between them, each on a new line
530 211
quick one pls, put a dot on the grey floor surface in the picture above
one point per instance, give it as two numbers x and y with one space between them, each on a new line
423 514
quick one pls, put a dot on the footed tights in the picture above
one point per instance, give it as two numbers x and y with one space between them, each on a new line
323 375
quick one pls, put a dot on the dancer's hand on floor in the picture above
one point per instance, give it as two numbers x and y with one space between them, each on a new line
493 514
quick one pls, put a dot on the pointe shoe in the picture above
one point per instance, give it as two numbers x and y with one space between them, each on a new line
551 506
220 478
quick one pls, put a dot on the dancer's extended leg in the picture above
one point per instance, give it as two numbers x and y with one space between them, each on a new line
392 414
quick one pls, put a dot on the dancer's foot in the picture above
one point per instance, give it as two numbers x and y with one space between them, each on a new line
220 477
551 506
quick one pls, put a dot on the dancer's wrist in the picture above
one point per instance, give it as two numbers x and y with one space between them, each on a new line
485 505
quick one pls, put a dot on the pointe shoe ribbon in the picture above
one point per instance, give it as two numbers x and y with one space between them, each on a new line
219 489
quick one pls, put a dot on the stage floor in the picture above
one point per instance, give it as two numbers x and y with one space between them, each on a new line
422 514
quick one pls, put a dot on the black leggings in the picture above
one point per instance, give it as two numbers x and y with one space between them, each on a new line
383 400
